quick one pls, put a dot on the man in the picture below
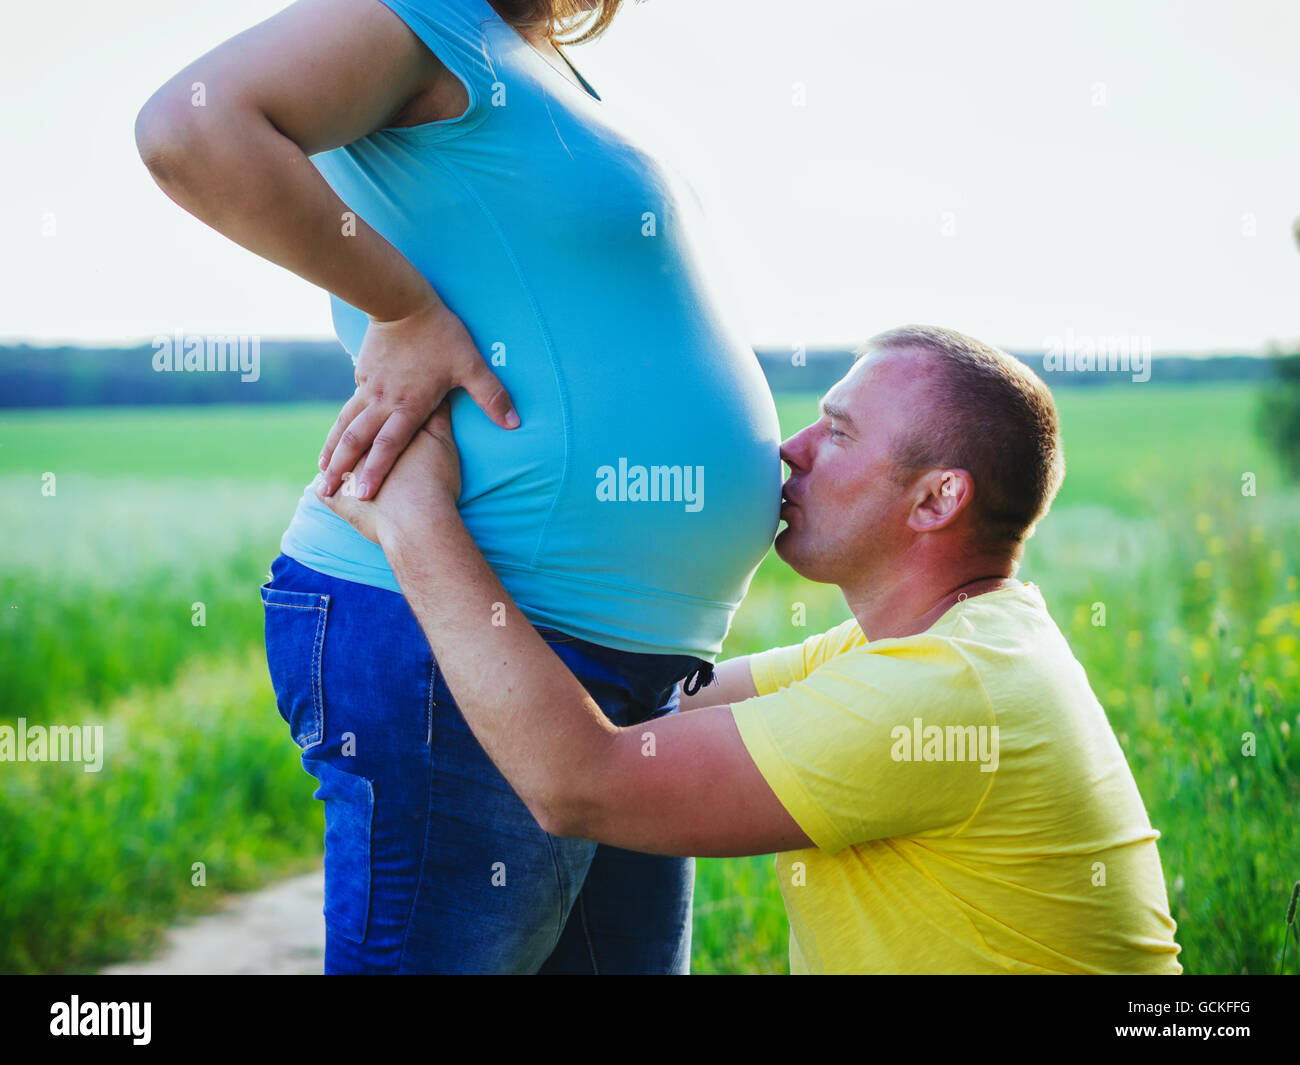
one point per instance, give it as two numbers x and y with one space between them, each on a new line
946 796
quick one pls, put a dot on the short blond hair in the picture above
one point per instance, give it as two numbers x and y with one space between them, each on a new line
990 415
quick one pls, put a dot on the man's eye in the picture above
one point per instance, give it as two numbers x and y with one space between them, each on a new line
835 432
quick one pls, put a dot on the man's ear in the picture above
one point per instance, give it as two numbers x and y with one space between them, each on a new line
940 496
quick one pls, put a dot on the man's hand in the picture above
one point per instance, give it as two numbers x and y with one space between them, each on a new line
423 486
577 772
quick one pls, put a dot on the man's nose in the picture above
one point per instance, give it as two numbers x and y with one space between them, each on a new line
785 453
792 450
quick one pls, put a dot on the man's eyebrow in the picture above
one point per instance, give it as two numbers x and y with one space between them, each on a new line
833 411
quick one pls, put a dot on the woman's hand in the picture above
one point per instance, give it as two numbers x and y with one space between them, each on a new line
404 371
423 487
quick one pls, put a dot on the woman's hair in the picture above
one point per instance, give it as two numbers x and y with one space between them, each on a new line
588 19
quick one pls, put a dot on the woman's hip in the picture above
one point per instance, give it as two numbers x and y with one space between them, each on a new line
416 814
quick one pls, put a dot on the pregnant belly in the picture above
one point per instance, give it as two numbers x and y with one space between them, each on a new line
645 487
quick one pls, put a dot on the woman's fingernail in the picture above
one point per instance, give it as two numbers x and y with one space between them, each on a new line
512 419
363 491
320 462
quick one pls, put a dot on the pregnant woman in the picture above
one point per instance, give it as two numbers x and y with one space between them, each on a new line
484 222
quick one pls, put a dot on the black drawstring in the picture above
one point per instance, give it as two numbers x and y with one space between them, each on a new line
702 675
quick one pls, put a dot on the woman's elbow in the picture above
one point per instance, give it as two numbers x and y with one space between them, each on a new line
175 130
160 135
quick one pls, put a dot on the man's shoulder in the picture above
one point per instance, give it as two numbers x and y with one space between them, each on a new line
984 647
1008 628
986 644
926 671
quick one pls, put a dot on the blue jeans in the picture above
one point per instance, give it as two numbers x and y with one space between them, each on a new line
432 863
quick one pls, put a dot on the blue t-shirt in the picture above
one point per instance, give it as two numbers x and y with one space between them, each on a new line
642 489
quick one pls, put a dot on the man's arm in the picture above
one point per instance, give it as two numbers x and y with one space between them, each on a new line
732 683
676 785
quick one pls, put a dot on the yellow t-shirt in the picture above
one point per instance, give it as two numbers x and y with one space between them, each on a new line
942 845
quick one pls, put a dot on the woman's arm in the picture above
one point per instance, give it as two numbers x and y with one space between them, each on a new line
228 138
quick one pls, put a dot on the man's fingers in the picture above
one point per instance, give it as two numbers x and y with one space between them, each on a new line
334 502
350 410
344 503
393 437
355 440
486 389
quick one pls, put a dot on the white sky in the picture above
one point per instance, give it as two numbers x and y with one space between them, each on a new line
1129 218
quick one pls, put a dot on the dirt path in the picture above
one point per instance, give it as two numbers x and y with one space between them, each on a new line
277 931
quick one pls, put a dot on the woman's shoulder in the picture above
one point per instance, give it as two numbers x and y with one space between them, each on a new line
460 33
463 39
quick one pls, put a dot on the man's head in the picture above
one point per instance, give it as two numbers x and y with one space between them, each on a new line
934 451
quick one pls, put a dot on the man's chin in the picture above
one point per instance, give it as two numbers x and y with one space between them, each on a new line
786 547
791 549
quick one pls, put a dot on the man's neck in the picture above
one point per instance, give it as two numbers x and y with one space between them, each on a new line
912 602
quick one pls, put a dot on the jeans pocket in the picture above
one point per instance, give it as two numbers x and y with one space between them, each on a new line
349 813
295 639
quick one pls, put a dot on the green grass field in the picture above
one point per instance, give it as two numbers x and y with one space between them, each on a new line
154 510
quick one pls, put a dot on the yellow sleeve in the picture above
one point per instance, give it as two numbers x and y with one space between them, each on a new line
851 752
781 666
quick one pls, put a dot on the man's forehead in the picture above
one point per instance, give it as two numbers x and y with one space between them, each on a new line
909 361
873 373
